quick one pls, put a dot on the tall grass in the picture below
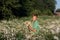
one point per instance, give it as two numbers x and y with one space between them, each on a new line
15 29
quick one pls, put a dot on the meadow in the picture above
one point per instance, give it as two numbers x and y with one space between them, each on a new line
14 29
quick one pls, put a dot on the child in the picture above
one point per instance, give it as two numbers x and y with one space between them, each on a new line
35 25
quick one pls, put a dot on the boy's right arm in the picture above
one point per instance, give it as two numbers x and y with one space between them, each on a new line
30 28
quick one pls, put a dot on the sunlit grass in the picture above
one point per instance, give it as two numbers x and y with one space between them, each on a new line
16 30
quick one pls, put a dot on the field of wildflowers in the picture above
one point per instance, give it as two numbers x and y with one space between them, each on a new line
16 30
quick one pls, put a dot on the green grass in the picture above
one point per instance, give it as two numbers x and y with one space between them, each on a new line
14 29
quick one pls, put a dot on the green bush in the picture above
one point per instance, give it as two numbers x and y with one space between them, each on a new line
2 36
35 11
47 12
20 36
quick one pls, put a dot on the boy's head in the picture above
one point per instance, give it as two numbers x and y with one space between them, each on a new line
34 17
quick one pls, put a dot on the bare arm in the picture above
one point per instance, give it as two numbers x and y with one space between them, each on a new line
30 28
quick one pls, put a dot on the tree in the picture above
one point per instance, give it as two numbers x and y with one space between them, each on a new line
11 8
41 5
8 6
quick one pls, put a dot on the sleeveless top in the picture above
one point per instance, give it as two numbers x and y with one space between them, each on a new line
35 25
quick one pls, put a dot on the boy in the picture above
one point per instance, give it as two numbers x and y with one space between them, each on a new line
34 28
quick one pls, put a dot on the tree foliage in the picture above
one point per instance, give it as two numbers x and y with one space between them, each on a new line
11 8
